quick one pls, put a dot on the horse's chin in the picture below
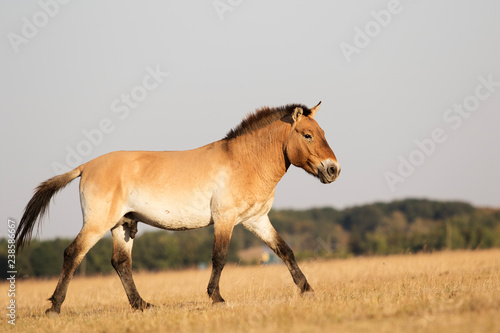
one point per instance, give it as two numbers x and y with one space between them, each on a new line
323 179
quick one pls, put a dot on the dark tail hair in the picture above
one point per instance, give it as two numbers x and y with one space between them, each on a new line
37 206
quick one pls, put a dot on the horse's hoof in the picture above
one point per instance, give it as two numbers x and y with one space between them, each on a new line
150 306
51 313
217 300
218 304
143 306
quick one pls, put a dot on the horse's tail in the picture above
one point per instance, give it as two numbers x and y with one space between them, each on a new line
37 206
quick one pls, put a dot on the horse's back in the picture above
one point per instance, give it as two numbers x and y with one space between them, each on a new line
147 167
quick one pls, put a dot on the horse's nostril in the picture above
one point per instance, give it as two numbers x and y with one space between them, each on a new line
331 171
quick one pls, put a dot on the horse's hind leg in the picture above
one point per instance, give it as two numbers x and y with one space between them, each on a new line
73 255
123 238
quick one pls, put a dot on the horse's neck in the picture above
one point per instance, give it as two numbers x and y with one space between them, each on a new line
262 152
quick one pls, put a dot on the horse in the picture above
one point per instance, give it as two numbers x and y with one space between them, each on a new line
224 183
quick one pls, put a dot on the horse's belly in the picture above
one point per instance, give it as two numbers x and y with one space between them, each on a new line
174 214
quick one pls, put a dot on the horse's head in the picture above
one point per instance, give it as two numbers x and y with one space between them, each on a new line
308 149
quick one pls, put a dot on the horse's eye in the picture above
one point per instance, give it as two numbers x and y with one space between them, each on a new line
307 136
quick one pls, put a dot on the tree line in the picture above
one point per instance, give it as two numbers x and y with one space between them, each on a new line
404 226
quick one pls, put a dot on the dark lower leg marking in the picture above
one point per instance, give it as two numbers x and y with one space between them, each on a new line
218 262
69 266
122 263
219 254
265 231
73 256
283 251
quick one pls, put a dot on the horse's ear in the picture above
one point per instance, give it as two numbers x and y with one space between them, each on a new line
297 114
314 110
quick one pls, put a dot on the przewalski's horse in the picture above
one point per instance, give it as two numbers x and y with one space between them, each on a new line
224 183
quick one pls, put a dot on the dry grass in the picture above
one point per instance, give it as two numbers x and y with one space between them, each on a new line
440 292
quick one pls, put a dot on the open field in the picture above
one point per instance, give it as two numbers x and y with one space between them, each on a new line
440 292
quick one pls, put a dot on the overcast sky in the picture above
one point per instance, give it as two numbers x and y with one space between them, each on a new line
410 91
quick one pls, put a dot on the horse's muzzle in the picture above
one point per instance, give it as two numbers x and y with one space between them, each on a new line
329 171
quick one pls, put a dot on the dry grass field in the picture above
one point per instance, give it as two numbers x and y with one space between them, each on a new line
439 292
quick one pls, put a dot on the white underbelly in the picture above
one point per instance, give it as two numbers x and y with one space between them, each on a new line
172 213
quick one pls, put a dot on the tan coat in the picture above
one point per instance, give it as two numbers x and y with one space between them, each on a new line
224 183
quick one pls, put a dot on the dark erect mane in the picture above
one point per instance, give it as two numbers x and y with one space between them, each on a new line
263 117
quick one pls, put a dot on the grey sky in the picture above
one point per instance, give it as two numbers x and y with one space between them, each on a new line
72 73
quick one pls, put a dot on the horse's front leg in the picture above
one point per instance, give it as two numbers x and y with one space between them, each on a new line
264 230
222 236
